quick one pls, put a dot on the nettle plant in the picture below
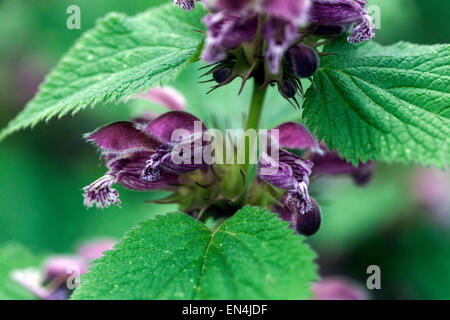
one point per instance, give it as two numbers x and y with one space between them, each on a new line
240 230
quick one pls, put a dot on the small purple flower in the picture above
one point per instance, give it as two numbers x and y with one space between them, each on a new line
337 288
227 30
139 156
50 282
289 172
341 13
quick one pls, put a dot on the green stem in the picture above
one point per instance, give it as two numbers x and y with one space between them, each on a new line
256 107
253 120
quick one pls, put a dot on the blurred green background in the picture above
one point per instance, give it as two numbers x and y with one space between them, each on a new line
400 222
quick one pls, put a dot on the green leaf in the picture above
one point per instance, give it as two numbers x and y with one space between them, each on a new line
383 103
14 257
120 57
253 255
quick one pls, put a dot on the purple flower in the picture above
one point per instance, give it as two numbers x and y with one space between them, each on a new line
51 281
227 30
286 170
289 172
236 22
139 156
341 13
337 288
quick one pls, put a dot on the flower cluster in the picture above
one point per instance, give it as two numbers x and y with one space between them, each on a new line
167 152
138 155
277 36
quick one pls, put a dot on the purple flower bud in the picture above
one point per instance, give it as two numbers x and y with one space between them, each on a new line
279 35
336 288
304 60
222 74
305 222
309 222
187 5
344 12
227 30
167 97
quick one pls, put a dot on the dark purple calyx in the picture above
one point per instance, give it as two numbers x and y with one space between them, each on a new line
222 74
324 30
304 60
287 89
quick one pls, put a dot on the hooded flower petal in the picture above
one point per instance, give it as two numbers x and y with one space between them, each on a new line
280 35
121 138
171 127
292 173
283 175
331 163
293 135
165 96
227 30
182 146
289 171
343 12
293 11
